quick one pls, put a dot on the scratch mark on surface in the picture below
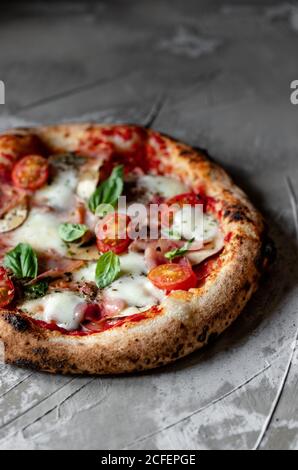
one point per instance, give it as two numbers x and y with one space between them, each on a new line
66 93
71 395
294 202
16 385
188 42
203 408
34 406
278 395
155 110
57 405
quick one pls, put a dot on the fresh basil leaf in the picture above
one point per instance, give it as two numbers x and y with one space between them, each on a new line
107 269
108 191
179 251
36 290
103 209
22 261
72 232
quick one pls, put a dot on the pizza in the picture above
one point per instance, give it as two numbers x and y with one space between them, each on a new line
121 249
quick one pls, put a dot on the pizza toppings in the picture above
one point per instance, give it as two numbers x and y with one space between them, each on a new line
22 261
176 252
13 208
131 290
107 192
61 308
112 233
72 232
173 277
41 231
14 217
6 288
59 193
107 269
155 251
31 172
180 200
97 268
164 186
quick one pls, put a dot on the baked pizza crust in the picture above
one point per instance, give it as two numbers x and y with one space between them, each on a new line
186 320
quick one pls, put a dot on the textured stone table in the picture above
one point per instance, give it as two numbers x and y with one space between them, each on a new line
217 75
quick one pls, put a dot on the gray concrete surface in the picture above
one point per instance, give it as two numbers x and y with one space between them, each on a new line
217 75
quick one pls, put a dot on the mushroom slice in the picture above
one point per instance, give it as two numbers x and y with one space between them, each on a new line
84 253
14 217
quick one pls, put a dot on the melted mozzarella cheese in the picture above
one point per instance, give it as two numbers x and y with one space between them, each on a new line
40 230
85 188
87 273
59 194
132 286
210 228
135 290
189 222
162 185
133 263
129 263
60 307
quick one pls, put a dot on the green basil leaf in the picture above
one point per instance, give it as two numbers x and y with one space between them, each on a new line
22 261
107 269
36 290
108 191
72 232
179 251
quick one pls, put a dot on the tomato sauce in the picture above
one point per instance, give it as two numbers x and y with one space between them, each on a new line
103 325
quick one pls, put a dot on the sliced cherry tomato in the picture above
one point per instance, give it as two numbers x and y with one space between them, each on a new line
6 288
185 198
175 203
31 172
112 233
173 276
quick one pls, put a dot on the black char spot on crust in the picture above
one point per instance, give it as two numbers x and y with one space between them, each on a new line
235 213
202 336
267 254
19 323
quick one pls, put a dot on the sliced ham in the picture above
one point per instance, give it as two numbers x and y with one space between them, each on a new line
197 257
55 266
156 250
111 306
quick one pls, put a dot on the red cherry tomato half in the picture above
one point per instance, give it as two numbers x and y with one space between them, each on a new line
173 277
185 198
112 233
6 288
31 172
175 203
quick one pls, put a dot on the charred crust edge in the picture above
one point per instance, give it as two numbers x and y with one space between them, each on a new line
268 253
18 323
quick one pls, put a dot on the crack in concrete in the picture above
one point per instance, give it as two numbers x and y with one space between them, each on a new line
155 110
294 204
278 395
199 410
66 93
16 385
